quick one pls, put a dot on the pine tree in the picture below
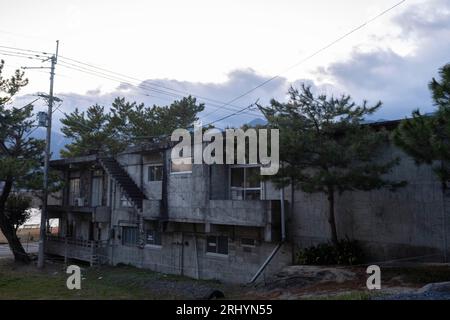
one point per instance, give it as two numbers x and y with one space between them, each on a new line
326 148
427 137
127 123
20 155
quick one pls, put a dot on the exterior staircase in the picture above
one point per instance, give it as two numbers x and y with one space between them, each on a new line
126 183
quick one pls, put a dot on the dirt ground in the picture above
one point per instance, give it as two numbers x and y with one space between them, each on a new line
19 281
349 283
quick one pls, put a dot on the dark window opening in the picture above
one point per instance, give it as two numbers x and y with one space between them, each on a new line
129 236
153 237
245 183
217 244
155 173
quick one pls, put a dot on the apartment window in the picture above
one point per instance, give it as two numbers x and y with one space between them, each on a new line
153 237
97 188
129 236
74 192
125 202
245 183
181 165
217 244
154 172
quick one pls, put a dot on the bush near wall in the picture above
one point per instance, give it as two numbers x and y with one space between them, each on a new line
346 252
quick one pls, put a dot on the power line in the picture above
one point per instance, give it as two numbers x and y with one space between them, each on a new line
309 57
18 56
27 50
141 86
151 83
20 53
241 110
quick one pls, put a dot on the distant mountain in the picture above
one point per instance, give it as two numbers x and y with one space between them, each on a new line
58 141
374 121
257 122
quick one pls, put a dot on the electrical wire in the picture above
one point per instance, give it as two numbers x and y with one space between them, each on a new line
309 57
141 86
150 83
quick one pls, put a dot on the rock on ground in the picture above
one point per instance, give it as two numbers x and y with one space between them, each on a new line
300 276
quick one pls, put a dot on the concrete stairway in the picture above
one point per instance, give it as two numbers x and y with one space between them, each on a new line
126 183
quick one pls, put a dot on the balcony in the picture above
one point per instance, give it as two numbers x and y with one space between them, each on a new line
99 214
92 251
255 213
151 209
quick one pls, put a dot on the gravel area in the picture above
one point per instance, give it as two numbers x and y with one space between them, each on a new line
432 291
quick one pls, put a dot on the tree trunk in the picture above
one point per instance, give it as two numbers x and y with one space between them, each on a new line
7 228
331 217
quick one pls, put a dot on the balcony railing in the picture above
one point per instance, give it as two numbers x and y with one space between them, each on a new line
78 242
92 251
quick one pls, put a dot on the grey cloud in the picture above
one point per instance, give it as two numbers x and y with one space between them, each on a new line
382 74
399 81
425 17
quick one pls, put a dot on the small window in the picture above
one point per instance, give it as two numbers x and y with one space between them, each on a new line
155 173
153 237
129 236
181 165
245 183
74 192
217 244
125 202
247 242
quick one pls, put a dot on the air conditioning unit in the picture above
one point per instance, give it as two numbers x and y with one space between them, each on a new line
79 202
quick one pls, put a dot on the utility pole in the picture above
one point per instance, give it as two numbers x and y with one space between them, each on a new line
41 257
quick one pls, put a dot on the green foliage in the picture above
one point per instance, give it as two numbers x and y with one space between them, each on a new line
324 146
21 157
345 252
16 209
323 143
427 137
126 123
20 154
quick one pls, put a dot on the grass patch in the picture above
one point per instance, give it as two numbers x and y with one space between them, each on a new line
125 282
349 295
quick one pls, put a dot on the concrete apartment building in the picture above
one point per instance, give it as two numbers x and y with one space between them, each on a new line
215 222
222 222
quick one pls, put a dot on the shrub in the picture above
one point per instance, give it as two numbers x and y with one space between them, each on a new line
346 252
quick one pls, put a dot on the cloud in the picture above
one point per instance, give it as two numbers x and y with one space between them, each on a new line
399 81
165 91
382 73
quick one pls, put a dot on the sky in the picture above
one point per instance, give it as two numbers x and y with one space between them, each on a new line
221 49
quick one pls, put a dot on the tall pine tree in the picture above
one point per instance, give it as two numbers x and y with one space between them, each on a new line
20 155
127 123
326 148
427 137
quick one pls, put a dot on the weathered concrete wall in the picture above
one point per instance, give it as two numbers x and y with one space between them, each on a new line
152 189
132 163
391 225
184 253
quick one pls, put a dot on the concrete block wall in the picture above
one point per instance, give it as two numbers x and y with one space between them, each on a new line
406 223
185 254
